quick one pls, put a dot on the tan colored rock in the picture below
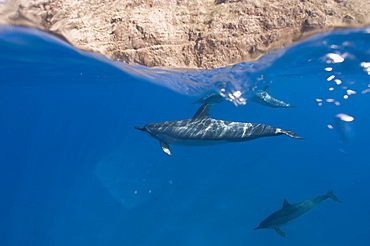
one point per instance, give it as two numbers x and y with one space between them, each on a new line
184 33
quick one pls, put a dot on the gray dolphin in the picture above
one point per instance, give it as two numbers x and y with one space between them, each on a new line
202 130
261 97
290 212
211 99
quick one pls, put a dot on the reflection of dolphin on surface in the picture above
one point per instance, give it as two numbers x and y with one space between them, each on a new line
290 212
261 97
211 99
202 130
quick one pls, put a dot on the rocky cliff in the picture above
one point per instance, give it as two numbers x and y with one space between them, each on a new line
184 33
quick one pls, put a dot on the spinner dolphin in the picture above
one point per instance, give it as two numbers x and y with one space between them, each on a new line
202 130
261 97
290 212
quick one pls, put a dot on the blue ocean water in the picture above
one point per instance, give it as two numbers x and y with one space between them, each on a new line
74 171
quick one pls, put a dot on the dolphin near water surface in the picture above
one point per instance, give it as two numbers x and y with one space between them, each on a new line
201 130
261 97
211 99
290 212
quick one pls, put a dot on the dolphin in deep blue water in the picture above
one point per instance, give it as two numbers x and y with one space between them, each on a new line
202 130
261 97
290 212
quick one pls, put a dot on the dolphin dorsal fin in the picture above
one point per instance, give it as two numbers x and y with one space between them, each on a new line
266 87
202 112
286 204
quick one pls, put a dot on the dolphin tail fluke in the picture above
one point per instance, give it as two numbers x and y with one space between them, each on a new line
257 228
291 134
332 196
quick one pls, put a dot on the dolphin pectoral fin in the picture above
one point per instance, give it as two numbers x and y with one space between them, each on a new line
332 196
290 134
280 232
165 147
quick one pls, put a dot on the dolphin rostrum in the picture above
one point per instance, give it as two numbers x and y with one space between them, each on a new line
261 97
290 212
202 130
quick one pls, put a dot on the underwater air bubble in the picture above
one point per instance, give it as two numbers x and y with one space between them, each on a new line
345 126
334 58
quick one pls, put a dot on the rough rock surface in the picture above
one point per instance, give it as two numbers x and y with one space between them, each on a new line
184 33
